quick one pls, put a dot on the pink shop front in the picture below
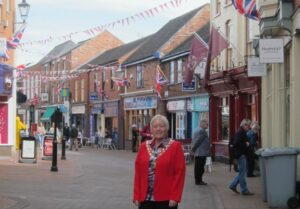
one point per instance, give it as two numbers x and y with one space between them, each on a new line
6 109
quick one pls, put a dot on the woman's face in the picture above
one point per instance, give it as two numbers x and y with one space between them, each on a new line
159 129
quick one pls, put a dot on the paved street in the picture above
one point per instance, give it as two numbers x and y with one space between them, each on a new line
102 179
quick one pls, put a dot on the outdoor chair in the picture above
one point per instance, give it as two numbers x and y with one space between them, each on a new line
107 144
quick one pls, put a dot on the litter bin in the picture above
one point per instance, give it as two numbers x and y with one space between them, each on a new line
262 169
28 150
280 166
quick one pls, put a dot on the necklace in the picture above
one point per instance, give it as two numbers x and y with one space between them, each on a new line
151 151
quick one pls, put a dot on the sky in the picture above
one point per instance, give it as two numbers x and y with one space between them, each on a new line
50 22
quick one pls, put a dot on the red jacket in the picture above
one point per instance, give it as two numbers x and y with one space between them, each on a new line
169 174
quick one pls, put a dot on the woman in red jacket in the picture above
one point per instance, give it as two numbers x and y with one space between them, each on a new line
159 169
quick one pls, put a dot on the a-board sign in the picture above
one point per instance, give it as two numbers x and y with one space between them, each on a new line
48 146
28 148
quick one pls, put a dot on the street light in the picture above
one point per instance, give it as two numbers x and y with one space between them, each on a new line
24 10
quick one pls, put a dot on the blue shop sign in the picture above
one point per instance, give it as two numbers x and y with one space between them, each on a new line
142 102
200 104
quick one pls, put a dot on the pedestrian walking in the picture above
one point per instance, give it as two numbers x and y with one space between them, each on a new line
241 149
66 132
159 169
201 148
98 138
73 136
115 137
253 141
41 131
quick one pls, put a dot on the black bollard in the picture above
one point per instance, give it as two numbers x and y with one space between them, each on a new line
54 143
63 149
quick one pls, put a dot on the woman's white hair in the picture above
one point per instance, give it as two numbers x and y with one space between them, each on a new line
255 127
160 118
245 122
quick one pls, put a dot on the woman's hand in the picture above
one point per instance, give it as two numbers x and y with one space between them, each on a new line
172 203
137 203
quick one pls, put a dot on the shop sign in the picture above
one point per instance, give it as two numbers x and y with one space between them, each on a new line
143 102
3 123
94 96
78 109
111 109
271 51
189 86
200 103
44 97
176 105
255 68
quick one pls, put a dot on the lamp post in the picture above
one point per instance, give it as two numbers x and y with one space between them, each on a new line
24 10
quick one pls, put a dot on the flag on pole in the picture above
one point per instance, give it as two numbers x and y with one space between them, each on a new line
199 50
160 79
13 42
217 43
247 8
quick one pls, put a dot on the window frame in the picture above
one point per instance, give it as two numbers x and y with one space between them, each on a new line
139 76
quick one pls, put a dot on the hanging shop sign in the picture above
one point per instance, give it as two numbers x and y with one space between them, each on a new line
271 51
44 97
255 68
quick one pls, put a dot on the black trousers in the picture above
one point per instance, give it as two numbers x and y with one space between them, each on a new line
250 163
199 168
156 205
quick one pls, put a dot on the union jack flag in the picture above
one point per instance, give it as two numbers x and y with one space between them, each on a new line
247 8
13 42
160 79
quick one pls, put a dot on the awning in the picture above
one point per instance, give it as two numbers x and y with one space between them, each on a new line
49 112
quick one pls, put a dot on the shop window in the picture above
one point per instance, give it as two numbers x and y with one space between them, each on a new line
172 72
179 71
180 126
225 118
139 76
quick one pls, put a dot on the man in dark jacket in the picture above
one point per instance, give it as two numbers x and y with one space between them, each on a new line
201 149
74 135
241 148
66 132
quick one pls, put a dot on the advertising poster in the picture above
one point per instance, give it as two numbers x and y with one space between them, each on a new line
48 148
3 123
28 150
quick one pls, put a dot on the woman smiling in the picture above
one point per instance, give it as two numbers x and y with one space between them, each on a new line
159 169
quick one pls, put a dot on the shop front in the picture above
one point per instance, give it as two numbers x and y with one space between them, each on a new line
7 110
112 119
200 110
180 117
78 117
233 97
138 111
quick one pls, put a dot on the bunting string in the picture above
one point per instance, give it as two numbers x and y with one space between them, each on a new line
91 32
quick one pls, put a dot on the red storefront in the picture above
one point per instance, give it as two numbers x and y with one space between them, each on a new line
233 96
